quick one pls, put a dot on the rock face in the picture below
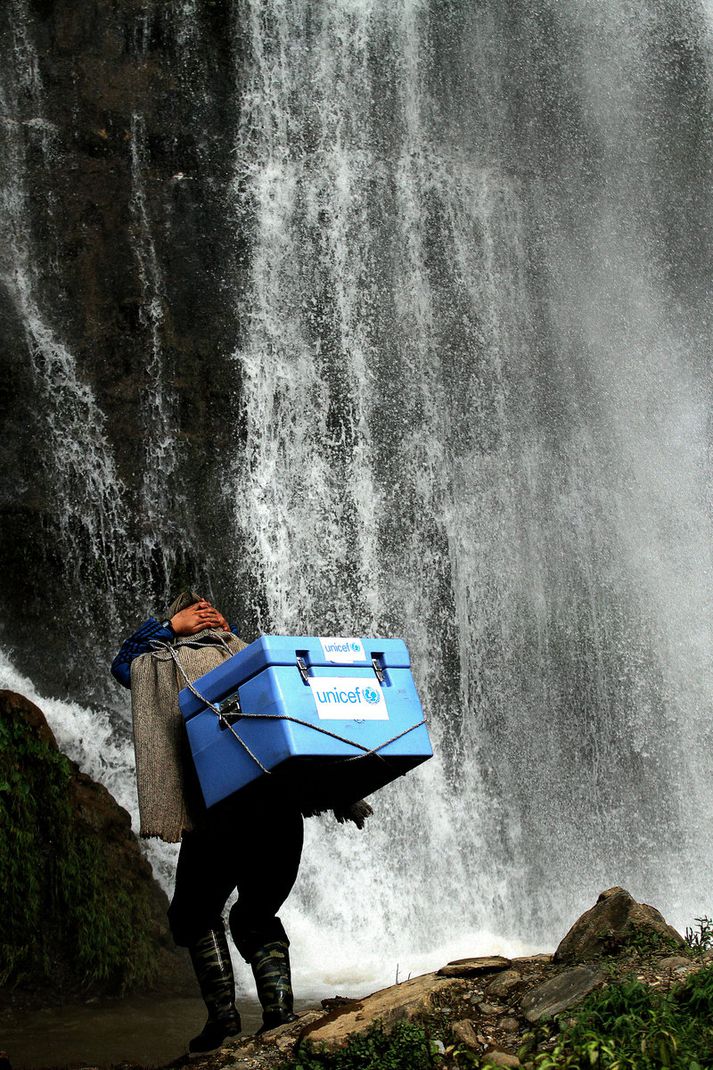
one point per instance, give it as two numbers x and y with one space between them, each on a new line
561 992
405 1001
119 141
614 921
82 913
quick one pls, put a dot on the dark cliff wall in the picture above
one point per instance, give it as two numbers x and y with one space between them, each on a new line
81 911
118 145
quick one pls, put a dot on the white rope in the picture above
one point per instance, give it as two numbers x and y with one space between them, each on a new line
334 735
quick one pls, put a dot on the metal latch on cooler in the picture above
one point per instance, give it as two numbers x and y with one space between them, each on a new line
230 710
304 671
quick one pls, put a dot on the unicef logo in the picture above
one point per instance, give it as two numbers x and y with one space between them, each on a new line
370 695
355 647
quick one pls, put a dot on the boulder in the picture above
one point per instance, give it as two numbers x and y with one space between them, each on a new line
560 992
613 923
475 966
388 1006
80 884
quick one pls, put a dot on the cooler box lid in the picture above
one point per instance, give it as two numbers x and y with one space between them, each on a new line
272 650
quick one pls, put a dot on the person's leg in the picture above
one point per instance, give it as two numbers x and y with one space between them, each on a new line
211 961
205 877
273 851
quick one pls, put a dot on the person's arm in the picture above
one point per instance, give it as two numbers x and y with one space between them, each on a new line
137 644
188 621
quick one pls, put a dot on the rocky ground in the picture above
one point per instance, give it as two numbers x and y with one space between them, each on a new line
492 1006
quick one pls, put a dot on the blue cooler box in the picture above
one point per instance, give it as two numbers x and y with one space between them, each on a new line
332 718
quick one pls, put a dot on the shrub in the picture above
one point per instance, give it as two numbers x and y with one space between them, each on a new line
630 1026
406 1047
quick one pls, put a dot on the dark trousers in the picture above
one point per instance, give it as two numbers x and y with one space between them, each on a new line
254 846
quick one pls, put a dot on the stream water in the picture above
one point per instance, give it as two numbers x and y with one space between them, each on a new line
139 1030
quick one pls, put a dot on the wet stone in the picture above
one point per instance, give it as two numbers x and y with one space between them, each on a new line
500 1058
490 1008
504 984
561 992
464 1033
509 1025
675 962
472 967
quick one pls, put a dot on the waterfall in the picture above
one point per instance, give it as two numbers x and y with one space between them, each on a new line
88 495
417 468
421 349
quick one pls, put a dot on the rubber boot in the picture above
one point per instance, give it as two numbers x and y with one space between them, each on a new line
271 970
214 970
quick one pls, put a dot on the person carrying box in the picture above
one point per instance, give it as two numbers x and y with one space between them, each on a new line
249 843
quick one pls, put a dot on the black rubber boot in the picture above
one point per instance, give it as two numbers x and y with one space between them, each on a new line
214 970
271 970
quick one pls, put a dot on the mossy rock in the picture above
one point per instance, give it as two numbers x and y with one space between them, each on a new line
614 925
81 911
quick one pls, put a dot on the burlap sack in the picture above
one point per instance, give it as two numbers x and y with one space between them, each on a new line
158 724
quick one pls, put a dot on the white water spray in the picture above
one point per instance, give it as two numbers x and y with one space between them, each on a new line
472 348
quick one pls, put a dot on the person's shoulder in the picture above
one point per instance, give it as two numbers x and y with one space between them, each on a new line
235 634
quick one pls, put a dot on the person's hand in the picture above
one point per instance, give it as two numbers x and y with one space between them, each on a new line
195 618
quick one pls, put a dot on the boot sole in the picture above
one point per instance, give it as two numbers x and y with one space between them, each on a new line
209 1051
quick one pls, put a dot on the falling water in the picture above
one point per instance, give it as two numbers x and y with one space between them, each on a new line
88 495
466 283
534 522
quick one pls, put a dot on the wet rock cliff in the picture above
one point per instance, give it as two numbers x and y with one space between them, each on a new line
82 914
117 313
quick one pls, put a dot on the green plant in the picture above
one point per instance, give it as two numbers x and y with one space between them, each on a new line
700 939
406 1047
630 1026
646 942
695 995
